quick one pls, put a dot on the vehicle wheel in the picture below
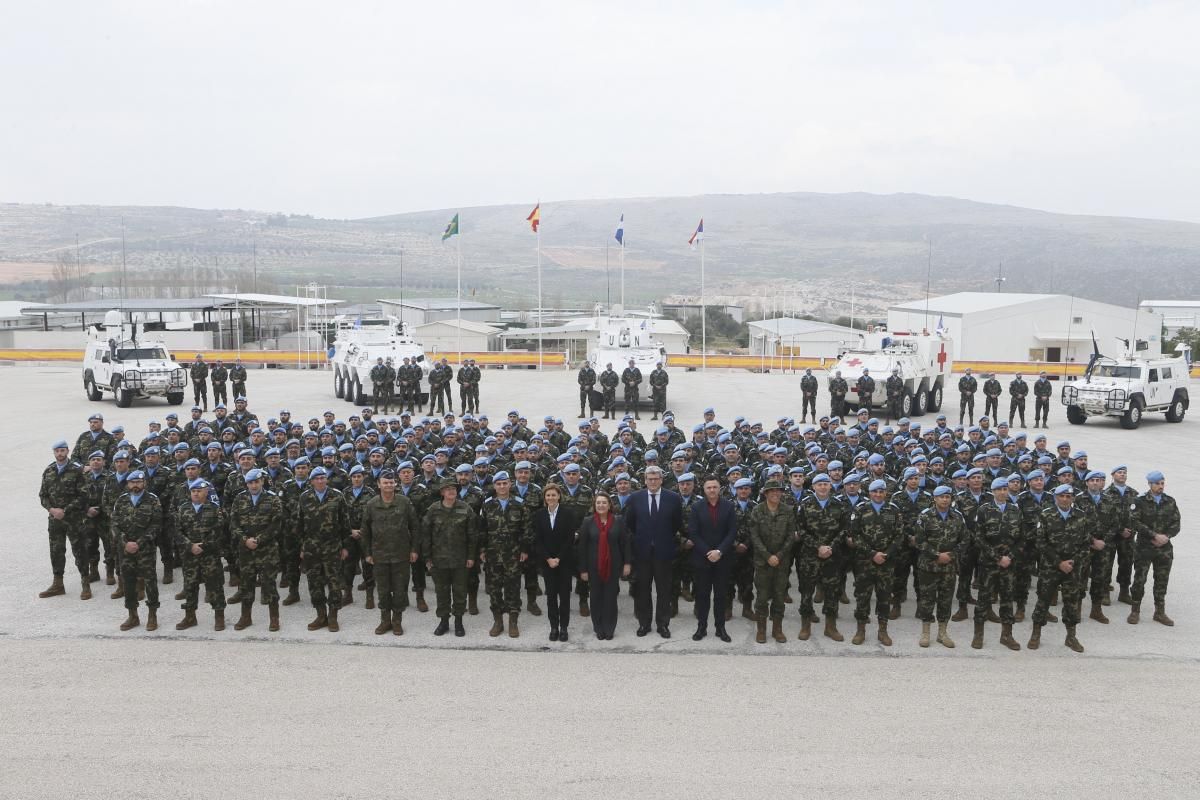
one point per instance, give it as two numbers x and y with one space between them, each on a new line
935 399
91 389
339 388
921 403
1133 417
1176 411
123 396
175 398
351 390
1075 415
906 405
359 397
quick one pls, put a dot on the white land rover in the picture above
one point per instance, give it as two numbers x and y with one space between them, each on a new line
119 359
1130 387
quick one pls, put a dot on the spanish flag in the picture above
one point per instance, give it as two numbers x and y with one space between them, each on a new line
535 217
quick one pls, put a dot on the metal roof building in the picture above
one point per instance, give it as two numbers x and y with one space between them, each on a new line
422 310
801 337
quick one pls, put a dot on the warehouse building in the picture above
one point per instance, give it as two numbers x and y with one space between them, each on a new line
422 310
1176 314
451 335
995 326
806 338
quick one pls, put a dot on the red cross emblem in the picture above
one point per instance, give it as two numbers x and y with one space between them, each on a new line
941 357
854 362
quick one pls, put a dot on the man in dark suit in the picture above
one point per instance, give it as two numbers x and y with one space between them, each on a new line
654 517
711 532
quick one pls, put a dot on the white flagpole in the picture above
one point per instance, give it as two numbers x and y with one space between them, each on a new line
538 233
458 245
621 258
703 316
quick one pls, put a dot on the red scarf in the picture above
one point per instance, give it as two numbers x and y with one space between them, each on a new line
604 557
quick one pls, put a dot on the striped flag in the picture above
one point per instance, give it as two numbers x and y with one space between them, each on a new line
535 217
697 235
451 229
620 234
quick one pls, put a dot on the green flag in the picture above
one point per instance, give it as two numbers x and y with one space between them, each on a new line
451 229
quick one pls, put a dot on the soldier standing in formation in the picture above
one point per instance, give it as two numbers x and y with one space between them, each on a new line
468 392
199 373
136 521
631 378
200 539
504 545
1042 390
587 383
439 388
408 378
877 536
1064 536
1018 390
256 524
219 376
380 385
941 530
451 547
608 384
838 387
62 494
894 387
772 529
991 397
237 376
808 396
1156 520
967 386
658 389
391 541
866 390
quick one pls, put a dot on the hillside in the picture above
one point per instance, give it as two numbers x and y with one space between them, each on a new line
811 247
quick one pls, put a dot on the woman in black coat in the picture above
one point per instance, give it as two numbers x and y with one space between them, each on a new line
554 529
604 558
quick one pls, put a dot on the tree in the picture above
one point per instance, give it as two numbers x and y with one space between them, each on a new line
68 278
1188 336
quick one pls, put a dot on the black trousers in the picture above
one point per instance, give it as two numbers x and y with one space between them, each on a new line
604 602
709 579
558 596
657 571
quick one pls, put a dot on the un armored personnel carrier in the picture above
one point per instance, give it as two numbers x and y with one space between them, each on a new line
622 338
120 359
924 361
357 346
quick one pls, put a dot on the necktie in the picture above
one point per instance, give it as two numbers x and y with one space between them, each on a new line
654 504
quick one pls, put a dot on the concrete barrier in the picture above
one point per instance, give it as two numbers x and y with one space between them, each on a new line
288 358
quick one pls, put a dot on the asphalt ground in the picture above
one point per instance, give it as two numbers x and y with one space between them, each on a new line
90 711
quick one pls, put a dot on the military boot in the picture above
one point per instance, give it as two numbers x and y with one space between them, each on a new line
443 627
131 621
1071 641
584 610
497 624
168 574
777 630
398 623
370 603
925 634
1135 614
894 611
283 582
246 619
513 630
882 636
760 634
274 612
237 597
1124 596
961 614
188 621
473 602
977 639
219 620
293 595
1160 615
55 589
533 606
119 592
110 577
385 622
347 596
1035 638
844 599
992 616
1098 614
860 634
1006 637
831 630
805 629
152 619
423 607
459 630
94 572
943 635
1020 615
685 594
332 619
182 595
818 596
747 610
320 621
85 589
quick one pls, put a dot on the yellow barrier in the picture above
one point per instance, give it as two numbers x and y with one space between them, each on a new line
292 358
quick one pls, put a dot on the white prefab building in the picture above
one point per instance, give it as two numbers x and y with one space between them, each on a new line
445 336
1176 314
422 310
995 326
806 338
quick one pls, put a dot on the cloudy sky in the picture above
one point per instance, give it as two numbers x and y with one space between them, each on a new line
352 109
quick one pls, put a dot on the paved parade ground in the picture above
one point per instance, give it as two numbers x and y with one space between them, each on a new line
92 712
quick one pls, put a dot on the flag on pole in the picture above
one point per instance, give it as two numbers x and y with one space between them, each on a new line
451 229
941 326
620 234
535 217
697 235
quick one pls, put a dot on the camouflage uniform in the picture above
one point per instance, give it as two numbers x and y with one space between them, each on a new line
894 386
866 390
289 545
95 529
504 535
1149 518
608 384
1042 390
875 531
937 534
390 535
1125 551
658 390
356 553
1062 539
237 375
65 489
771 533
967 387
448 542
205 527
219 375
324 533
1018 390
838 387
1027 565
997 534
1108 517
199 374
381 387
991 398
631 378
910 509
139 523
821 527
808 394
587 382
87 444
264 522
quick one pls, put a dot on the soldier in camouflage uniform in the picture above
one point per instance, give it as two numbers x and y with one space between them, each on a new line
1042 390
877 533
356 496
940 532
450 547
771 526
894 387
631 378
1032 502
219 376
658 389
324 537
505 542
587 383
991 397
866 390
1018 390
808 394
289 545
967 387
95 520
1000 537
608 386
93 439
1064 538
408 381
199 374
62 494
1109 516
1155 517
237 376
823 523
391 542
199 537
911 501
838 387
136 520
381 387
256 521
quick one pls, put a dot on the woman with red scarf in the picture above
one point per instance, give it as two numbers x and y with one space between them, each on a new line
604 557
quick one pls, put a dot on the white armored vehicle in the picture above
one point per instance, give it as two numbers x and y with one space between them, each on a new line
359 343
1130 387
118 358
924 361
625 337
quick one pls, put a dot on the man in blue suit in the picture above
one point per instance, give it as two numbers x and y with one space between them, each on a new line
711 532
654 518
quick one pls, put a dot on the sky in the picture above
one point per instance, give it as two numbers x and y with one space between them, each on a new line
355 109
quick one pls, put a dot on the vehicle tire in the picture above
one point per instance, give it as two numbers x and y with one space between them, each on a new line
91 389
1133 417
906 405
339 386
1075 415
920 403
175 398
359 397
1177 410
351 389
935 399
123 396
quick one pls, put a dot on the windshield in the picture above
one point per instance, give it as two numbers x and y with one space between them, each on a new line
1117 371
141 354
